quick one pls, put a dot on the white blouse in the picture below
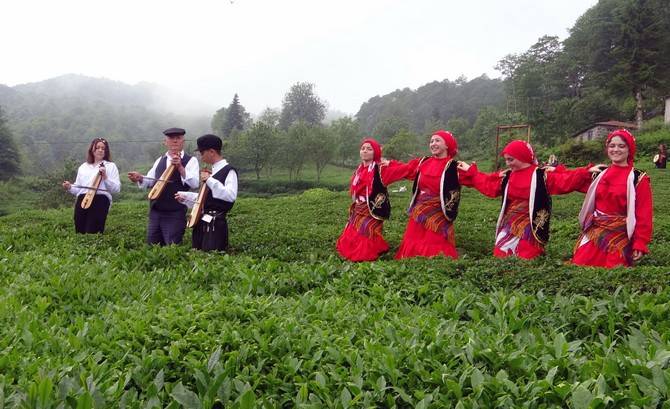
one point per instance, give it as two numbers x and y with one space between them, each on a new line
86 175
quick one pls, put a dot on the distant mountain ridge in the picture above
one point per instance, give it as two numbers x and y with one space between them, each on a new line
52 119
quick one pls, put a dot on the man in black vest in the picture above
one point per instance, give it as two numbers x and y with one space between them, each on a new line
211 231
167 217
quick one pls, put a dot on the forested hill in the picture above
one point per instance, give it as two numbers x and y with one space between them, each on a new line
53 120
430 106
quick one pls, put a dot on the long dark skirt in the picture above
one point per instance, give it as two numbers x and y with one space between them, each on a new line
91 220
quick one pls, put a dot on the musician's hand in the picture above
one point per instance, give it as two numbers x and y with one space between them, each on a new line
103 172
205 174
637 255
179 197
67 185
135 177
176 161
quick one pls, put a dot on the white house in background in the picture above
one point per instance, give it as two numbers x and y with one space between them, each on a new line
667 109
601 129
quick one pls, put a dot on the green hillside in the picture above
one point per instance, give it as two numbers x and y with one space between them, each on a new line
106 321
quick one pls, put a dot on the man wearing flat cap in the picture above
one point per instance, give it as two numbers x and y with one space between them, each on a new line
167 216
211 231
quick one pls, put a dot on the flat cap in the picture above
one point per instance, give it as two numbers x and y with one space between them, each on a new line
209 141
174 132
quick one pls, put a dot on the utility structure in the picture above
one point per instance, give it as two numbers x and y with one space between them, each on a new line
509 129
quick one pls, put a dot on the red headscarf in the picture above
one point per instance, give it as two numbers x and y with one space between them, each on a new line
362 176
521 151
449 140
376 148
628 138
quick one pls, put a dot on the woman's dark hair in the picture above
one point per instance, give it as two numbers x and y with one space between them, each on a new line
91 148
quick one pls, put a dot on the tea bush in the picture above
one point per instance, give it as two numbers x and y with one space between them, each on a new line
281 321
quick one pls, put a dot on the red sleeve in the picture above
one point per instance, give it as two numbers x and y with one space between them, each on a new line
568 180
396 171
643 216
488 184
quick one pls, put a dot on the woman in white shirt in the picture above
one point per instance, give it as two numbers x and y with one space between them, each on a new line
92 219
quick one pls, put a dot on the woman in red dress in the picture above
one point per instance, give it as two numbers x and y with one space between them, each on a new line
435 200
362 238
523 223
616 217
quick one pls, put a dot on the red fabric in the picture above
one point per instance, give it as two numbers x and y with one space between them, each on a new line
518 190
611 199
417 240
449 139
376 148
628 138
351 244
520 150
356 246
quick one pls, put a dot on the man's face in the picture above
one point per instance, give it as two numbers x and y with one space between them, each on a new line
207 156
174 143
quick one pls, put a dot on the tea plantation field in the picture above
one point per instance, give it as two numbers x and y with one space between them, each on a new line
282 322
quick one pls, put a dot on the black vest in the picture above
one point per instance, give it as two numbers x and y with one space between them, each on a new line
450 189
541 217
166 201
218 205
378 198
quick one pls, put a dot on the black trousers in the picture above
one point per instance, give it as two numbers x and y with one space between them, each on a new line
91 220
166 228
211 236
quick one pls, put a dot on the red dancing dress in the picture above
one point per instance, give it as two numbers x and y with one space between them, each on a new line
514 232
362 238
611 230
429 233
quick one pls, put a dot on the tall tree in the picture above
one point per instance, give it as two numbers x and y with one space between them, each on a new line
320 146
9 152
219 121
301 104
270 117
292 153
260 143
402 146
623 46
347 136
236 117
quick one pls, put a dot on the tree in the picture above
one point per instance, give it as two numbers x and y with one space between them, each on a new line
388 128
9 152
622 46
270 117
219 121
347 136
237 117
260 143
301 104
320 146
402 146
457 126
292 153
479 141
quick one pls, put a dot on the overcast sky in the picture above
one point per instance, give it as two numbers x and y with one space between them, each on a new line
206 50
